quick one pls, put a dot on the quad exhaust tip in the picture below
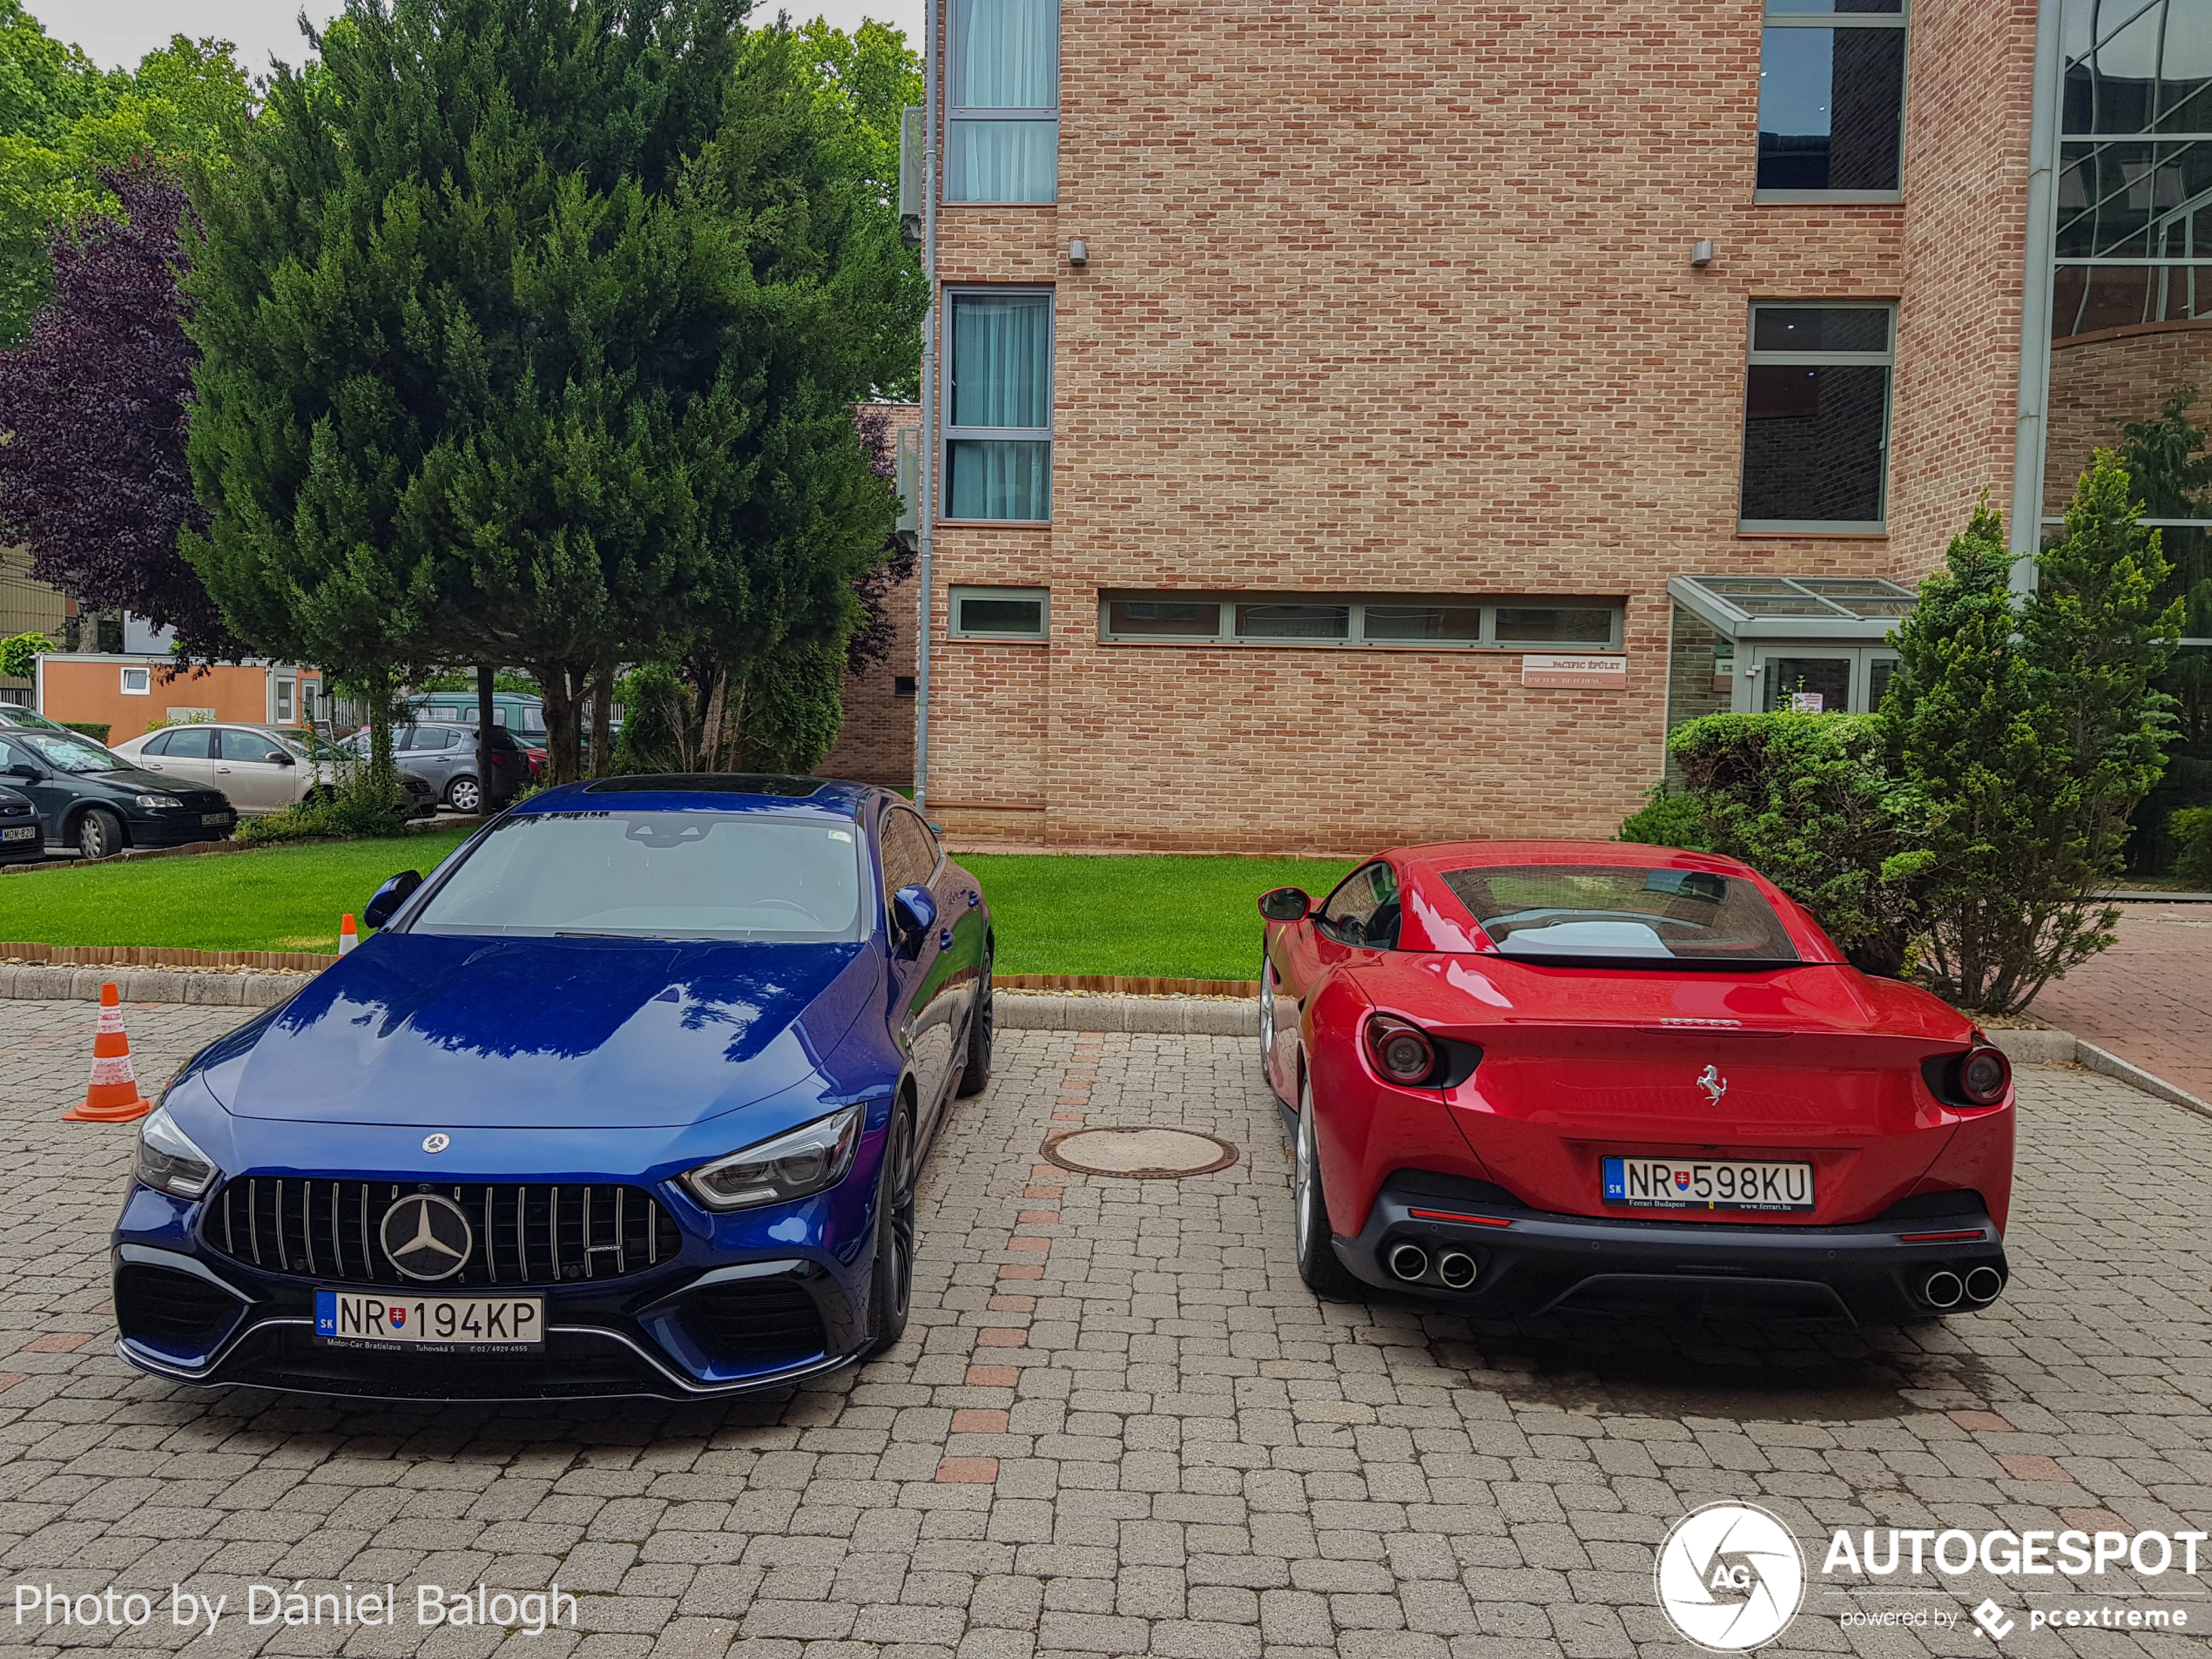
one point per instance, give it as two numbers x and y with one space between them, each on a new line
1409 1262
1983 1285
1456 1269
1942 1288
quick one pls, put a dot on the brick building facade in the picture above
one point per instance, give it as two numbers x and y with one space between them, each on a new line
1385 330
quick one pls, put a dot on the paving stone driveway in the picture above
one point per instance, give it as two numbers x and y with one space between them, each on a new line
1120 1426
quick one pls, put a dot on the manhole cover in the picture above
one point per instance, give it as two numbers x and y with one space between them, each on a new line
1140 1154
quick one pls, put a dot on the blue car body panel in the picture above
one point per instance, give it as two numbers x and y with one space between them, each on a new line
550 1074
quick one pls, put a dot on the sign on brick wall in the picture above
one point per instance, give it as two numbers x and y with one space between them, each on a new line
1580 669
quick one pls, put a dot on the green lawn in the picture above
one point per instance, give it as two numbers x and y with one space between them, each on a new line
1178 917
1184 918
284 897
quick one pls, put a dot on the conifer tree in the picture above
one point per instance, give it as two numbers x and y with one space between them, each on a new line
2028 735
530 331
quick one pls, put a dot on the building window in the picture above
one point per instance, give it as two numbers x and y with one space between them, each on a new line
998 416
1003 131
283 693
1302 619
1273 621
137 681
1831 100
902 685
1000 613
1816 418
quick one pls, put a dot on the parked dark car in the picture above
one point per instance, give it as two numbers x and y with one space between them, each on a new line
93 799
443 754
20 841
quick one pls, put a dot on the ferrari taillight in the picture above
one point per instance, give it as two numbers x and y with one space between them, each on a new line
1984 1075
1400 1049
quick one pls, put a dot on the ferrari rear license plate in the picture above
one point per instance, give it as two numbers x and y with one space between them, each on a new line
1706 1183
23 833
451 1323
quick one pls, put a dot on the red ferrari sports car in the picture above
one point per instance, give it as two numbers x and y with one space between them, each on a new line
1537 1075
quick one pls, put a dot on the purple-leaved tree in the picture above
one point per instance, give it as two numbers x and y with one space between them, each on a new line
92 418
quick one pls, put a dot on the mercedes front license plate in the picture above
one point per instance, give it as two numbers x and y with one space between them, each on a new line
450 1323
212 819
1706 1183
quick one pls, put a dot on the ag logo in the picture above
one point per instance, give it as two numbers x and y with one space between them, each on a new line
1730 1577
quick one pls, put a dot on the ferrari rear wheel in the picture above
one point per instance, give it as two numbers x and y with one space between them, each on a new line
891 1286
1317 1258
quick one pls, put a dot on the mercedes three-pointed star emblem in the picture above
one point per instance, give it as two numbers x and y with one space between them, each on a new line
425 1237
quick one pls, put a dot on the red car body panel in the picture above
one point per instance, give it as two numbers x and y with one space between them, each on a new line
1581 1062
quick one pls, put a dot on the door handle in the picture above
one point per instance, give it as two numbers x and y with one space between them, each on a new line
226 770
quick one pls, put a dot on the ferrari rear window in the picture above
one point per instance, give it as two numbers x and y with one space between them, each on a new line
1625 915
655 875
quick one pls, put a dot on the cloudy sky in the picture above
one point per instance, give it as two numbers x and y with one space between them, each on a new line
116 33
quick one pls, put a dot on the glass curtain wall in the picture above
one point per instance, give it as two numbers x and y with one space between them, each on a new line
1002 138
2131 319
998 418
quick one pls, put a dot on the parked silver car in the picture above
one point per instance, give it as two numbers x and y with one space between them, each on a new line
261 768
443 755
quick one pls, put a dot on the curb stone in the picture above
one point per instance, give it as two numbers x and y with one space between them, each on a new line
2030 1047
1189 1015
2092 1058
67 983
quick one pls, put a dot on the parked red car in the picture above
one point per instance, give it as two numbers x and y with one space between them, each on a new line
1534 1077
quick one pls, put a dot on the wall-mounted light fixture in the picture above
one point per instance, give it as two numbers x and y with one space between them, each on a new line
1700 253
1079 252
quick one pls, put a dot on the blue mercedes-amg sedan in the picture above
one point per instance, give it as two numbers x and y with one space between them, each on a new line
627 1097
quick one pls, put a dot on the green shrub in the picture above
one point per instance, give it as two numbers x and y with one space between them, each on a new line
1668 817
1806 800
359 808
659 731
2191 830
19 655
96 730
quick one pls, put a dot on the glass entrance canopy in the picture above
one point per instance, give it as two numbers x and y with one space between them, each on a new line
1856 607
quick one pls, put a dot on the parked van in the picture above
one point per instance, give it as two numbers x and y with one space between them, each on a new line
521 713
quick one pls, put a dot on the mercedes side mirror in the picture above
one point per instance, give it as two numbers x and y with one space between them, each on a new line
282 758
1285 904
385 902
915 911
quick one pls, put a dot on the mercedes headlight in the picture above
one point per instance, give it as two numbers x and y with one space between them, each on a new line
159 800
805 1160
168 1161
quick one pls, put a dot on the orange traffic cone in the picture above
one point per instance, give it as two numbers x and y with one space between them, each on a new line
112 1095
349 936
